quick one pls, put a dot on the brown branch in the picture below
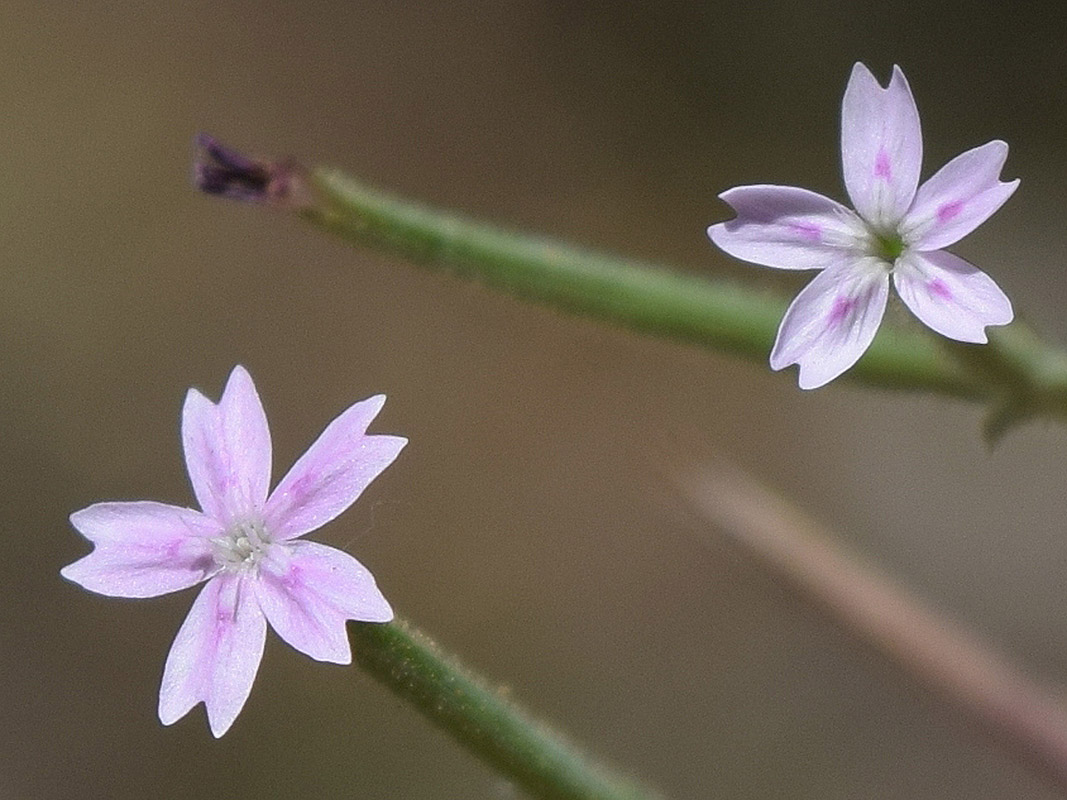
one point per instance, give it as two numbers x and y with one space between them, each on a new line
1026 718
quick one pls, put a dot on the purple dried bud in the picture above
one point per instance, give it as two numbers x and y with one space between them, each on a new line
218 169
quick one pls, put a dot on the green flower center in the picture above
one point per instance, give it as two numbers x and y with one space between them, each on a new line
887 246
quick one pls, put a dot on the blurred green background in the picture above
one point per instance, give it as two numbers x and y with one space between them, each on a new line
530 525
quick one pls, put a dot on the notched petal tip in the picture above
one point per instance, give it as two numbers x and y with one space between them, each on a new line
309 592
332 473
785 227
951 296
215 656
218 726
881 146
194 397
833 320
239 372
375 402
387 614
228 448
71 572
958 198
719 235
733 192
142 548
240 395
1000 146
860 71
79 518
808 382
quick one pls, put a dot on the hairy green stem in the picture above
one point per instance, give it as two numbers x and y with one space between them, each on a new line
482 718
715 314
1016 375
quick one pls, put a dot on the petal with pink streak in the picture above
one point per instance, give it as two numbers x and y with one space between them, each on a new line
951 296
228 449
958 198
308 590
333 472
881 146
142 549
832 321
786 227
216 654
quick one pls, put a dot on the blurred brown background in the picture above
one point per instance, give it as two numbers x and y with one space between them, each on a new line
529 525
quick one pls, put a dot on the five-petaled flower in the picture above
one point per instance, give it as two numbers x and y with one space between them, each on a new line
898 228
246 545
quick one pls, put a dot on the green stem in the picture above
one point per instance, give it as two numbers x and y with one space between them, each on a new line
538 759
715 314
1016 375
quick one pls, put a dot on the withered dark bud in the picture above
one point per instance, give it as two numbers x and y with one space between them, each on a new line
221 170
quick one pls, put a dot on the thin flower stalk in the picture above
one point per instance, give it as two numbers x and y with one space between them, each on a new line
246 546
486 720
1017 376
1025 717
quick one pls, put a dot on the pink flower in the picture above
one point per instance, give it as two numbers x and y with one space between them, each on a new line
898 229
246 545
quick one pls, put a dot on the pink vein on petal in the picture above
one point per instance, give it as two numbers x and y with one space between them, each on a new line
143 549
807 230
897 229
841 310
882 167
949 210
937 287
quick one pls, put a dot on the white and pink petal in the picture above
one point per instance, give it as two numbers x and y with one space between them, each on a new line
142 549
833 320
786 227
333 472
881 146
958 198
228 449
950 295
216 654
308 591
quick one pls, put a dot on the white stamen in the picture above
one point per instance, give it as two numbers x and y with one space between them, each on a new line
243 545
